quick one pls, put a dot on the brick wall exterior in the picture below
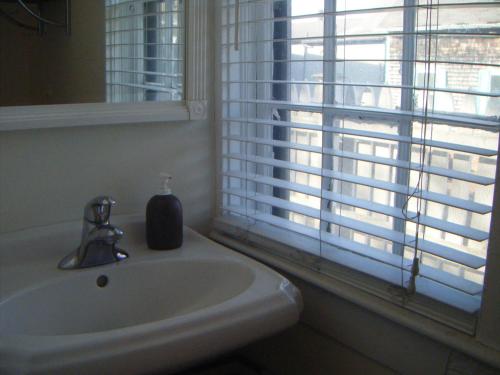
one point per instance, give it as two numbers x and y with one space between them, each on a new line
458 76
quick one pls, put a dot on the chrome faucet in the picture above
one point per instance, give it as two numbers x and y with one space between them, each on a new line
99 238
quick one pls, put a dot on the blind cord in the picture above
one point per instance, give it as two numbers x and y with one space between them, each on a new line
418 191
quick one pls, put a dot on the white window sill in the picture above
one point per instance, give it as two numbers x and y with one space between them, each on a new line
442 333
92 114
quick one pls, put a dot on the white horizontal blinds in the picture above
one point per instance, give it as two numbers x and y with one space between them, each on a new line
144 50
445 35
323 133
264 155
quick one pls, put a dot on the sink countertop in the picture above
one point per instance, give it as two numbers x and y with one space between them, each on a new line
22 265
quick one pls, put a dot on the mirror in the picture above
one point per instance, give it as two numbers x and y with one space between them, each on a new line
117 51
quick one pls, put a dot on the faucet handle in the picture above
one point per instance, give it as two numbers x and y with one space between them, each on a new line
98 210
106 233
99 247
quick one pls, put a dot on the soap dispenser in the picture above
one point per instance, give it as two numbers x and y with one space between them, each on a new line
164 219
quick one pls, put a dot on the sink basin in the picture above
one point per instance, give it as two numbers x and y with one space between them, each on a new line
156 311
156 291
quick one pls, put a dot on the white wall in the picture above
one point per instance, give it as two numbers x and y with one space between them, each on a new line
46 176
337 337
301 350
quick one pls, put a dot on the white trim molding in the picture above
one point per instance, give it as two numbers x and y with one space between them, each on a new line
489 327
89 114
197 56
198 109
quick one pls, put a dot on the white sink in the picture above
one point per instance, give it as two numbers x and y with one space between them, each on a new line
136 294
158 310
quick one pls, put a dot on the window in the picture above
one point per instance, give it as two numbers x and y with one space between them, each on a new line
144 50
360 133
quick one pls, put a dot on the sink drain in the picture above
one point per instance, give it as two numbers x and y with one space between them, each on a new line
102 281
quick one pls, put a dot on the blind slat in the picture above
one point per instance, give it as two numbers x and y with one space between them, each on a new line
367 84
455 282
369 134
434 6
443 225
363 227
392 211
433 61
315 40
359 180
383 185
489 122
450 173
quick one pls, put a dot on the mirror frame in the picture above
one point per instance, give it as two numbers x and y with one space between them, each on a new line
193 107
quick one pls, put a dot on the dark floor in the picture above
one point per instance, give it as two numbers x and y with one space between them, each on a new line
227 366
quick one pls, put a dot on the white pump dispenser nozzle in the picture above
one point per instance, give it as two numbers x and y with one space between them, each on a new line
165 187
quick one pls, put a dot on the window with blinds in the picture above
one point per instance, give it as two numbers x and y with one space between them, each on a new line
144 50
365 133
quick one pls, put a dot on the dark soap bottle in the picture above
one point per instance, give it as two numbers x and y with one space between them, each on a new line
164 220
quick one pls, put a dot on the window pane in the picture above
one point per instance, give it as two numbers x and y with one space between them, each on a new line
368 69
362 4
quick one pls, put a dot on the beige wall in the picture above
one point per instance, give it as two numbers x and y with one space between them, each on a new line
54 68
74 66
18 50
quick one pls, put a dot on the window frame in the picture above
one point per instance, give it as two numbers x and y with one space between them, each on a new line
364 289
193 107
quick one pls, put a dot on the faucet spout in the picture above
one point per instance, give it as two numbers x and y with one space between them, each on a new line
96 212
